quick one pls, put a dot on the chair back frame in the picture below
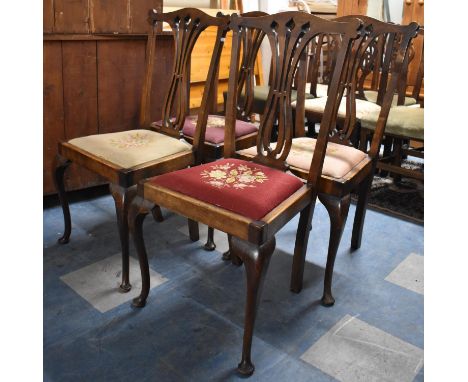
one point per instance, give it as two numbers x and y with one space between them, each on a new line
187 24
288 34
381 50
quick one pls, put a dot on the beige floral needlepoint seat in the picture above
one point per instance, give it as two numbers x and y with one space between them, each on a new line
339 159
131 148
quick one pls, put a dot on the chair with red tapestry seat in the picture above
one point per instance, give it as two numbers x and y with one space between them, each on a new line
346 168
251 200
245 131
126 157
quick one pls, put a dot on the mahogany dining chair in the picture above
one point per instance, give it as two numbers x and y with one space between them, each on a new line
251 200
346 169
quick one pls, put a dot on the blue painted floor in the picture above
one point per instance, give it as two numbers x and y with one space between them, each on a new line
191 328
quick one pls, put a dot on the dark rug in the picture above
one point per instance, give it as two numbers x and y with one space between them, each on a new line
403 199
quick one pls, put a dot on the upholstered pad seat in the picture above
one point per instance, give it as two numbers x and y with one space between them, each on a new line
371 95
402 121
215 128
131 148
317 105
339 159
239 186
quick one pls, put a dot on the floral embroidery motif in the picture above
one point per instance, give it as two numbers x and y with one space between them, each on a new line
233 175
131 140
213 121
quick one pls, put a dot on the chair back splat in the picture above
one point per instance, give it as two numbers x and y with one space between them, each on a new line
251 42
288 34
398 39
378 59
187 26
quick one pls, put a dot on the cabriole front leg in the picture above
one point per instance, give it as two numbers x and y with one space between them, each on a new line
256 260
61 165
138 210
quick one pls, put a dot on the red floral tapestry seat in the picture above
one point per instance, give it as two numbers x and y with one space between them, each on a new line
243 187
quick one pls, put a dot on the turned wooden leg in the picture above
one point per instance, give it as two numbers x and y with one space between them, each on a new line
193 230
228 255
360 214
157 214
138 210
61 165
122 198
338 211
256 259
300 248
210 244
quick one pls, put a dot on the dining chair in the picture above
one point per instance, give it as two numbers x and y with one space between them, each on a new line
404 131
347 169
251 200
126 157
245 130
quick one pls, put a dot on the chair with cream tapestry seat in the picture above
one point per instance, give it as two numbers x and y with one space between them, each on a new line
346 168
251 200
124 158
